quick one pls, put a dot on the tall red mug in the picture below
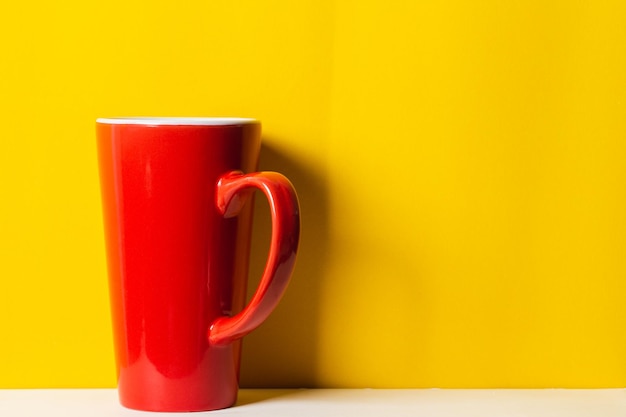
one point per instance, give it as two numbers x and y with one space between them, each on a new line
177 204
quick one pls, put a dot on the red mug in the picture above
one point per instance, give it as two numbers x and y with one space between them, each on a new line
177 204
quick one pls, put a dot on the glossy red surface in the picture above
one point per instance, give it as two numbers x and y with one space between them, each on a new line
177 215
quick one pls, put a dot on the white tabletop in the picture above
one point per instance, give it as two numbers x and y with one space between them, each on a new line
338 402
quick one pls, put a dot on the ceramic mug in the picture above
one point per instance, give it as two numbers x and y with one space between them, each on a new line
177 204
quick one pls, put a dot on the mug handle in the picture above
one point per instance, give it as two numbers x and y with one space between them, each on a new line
233 190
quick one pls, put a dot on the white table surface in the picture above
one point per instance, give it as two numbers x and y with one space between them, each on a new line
337 402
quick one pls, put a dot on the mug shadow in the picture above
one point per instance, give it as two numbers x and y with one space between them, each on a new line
253 396
282 352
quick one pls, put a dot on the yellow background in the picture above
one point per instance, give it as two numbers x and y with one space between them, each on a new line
461 167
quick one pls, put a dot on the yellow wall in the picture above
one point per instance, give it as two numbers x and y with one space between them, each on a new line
461 167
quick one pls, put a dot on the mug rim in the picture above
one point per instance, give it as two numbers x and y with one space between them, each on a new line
176 121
